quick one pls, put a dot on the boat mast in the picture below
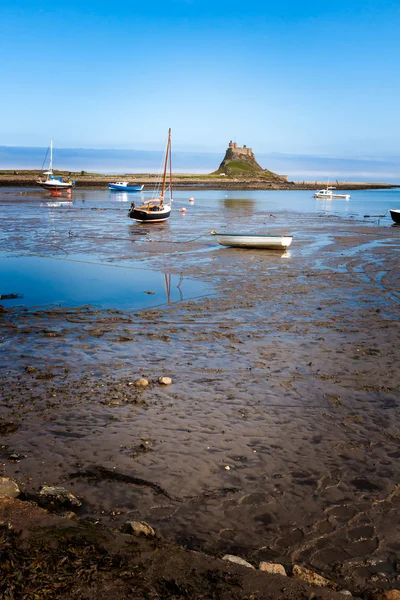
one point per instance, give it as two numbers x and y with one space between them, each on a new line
170 168
51 157
165 166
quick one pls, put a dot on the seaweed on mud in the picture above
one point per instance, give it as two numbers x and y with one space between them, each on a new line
8 427
211 585
101 473
10 296
41 570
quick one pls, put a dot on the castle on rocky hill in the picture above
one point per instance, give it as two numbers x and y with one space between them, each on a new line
240 161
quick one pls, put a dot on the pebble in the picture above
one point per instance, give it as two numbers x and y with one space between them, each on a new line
237 560
310 577
165 380
140 528
141 383
274 568
8 488
227 468
30 369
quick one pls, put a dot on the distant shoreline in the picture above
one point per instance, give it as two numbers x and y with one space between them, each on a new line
96 181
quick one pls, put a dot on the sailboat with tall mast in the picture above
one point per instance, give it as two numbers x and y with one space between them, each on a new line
156 209
53 182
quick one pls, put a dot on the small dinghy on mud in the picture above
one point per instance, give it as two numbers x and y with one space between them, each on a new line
262 241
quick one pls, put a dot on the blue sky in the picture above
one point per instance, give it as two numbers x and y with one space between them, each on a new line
317 78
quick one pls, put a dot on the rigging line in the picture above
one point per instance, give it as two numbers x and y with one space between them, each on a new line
97 237
45 158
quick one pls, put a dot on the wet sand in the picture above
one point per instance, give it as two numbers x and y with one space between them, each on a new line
286 373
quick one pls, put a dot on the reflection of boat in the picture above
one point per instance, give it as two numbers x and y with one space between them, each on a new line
155 209
395 214
120 197
328 194
56 204
53 183
267 241
124 186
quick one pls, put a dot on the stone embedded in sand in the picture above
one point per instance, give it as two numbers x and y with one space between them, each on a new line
58 495
141 383
387 595
140 528
165 380
274 568
345 593
30 369
310 577
237 560
8 488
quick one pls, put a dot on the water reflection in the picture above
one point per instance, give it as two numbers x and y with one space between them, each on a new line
239 203
117 196
44 281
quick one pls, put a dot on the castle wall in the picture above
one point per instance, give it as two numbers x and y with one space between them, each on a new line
242 151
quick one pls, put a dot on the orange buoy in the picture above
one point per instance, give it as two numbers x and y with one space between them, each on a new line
191 200
183 209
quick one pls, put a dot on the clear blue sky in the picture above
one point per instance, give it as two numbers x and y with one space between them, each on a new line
309 77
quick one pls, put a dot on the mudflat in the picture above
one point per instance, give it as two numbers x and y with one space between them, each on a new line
278 438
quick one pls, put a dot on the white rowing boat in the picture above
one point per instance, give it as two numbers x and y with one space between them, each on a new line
267 241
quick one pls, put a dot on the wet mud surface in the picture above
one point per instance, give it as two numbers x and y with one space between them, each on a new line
286 373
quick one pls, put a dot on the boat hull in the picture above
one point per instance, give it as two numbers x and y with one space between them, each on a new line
125 188
149 216
395 214
332 196
56 187
265 242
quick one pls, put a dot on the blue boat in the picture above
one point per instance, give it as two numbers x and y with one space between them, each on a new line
123 186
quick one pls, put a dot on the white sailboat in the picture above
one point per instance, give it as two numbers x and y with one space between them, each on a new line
53 183
156 209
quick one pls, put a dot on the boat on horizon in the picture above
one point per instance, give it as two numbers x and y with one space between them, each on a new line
123 186
328 194
157 209
395 214
264 241
53 183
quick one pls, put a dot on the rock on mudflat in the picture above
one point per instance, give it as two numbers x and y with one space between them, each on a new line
310 577
140 528
165 380
237 560
8 488
274 568
141 383
58 495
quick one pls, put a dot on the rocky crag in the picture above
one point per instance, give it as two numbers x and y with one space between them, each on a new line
241 161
